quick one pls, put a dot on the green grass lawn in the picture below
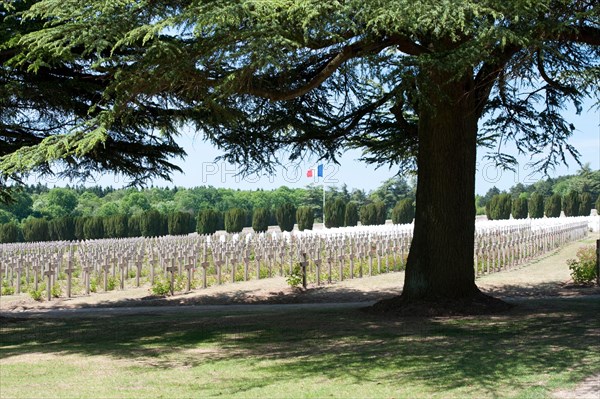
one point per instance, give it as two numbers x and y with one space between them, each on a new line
536 348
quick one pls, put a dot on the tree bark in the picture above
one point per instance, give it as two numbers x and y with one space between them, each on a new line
440 261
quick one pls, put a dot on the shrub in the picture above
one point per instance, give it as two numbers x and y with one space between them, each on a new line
79 223
286 216
403 212
499 207
585 204
334 213
93 228
570 204
536 206
35 230
10 232
583 269
179 223
598 204
207 221
62 229
368 215
153 224
56 291
519 208
116 226
552 206
234 220
351 216
36 295
134 226
305 215
380 212
260 219
295 279
161 286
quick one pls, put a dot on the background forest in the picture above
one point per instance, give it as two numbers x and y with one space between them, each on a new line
39 213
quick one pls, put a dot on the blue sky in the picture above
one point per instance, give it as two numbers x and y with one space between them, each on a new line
200 169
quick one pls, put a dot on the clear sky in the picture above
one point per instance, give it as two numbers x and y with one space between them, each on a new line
200 169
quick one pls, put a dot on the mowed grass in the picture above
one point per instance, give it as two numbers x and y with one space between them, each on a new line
538 347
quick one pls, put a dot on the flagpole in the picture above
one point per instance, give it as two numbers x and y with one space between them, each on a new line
323 203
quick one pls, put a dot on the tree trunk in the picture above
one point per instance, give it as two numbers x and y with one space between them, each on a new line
440 262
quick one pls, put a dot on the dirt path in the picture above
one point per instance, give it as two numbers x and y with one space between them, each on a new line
547 276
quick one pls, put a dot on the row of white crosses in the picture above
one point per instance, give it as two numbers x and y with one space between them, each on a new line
329 254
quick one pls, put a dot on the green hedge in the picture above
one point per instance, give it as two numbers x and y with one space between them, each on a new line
552 206
403 212
286 216
305 215
351 215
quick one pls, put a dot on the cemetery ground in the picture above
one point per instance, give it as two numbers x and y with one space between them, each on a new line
546 346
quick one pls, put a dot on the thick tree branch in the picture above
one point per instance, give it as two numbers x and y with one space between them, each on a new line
359 49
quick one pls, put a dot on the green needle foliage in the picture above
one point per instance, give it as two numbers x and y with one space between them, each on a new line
234 220
286 216
585 204
403 212
499 207
536 206
305 215
207 221
407 82
570 204
260 219
519 208
335 211
553 206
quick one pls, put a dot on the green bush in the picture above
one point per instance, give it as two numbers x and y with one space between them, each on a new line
207 221
10 232
260 219
161 286
536 206
334 213
368 215
351 216
499 207
134 226
381 212
116 226
35 230
234 220
552 206
585 204
56 291
36 295
153 224
286 216
403 212
598 204
79 223
93 228
305 215
179 223
519 208
583 269
570 204
62 229
295 279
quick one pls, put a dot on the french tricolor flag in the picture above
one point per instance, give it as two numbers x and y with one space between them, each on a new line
311 171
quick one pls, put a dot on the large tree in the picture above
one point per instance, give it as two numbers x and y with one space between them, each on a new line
409 82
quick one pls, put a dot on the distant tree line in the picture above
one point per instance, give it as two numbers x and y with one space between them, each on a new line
502 206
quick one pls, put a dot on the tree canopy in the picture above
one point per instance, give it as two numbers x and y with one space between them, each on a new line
49 110
406 81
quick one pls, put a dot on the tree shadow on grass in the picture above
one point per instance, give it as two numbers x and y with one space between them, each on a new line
488 352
